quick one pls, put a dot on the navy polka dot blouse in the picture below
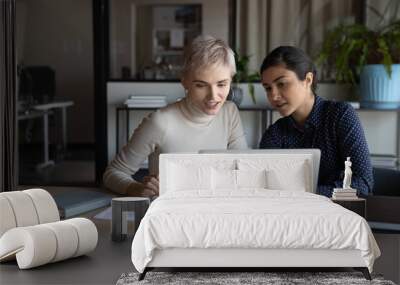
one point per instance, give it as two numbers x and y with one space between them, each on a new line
335 129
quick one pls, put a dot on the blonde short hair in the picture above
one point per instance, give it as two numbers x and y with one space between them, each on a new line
205 51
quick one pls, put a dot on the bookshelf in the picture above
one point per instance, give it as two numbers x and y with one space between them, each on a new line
266 118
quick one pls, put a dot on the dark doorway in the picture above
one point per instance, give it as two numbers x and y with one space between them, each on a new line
57 107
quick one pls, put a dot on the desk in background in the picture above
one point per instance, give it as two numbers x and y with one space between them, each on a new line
266 118
43 111
44 115
63 105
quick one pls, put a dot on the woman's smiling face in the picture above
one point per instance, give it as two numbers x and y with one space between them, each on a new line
285 91
208 87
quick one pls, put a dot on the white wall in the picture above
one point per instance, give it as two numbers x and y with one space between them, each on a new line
379 127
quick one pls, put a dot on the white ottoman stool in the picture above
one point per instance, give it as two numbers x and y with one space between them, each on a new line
120 208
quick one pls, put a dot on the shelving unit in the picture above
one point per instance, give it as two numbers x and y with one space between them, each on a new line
266 118
397 133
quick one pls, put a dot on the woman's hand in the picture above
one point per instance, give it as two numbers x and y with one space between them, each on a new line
151 184
148 188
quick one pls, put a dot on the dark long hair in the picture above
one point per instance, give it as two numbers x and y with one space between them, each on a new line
294 59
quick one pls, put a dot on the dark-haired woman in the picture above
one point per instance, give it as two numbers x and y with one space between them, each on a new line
289 78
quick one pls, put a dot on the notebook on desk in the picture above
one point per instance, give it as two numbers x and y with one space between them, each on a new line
77 202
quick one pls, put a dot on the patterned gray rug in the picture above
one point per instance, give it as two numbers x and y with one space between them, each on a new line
229 278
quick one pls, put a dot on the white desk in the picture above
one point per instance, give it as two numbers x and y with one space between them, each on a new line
63 105
33 114
44 110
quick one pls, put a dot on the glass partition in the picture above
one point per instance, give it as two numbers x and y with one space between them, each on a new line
147 38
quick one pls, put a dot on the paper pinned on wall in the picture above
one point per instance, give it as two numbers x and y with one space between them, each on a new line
177 38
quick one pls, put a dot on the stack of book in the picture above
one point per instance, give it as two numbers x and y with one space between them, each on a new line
146 101
344 194
383 161
354 104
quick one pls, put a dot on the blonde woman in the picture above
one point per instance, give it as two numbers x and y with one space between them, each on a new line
201 120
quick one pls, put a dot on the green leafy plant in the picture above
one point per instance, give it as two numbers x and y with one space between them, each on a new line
244 75
348 48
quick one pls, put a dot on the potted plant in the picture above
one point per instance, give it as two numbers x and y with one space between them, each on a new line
242 75
357 54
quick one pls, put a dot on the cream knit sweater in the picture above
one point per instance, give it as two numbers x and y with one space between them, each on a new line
179 127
